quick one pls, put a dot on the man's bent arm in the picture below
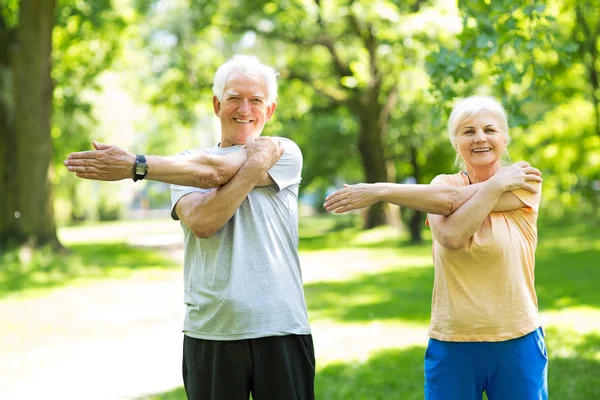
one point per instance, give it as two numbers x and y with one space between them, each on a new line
206 213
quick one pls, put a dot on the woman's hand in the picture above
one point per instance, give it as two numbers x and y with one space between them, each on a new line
352 197
515 177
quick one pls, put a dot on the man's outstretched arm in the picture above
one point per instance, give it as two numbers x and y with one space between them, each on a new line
112 163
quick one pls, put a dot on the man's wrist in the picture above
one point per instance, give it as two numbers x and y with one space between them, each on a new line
140 168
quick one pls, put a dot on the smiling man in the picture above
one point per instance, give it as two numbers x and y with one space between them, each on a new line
246 328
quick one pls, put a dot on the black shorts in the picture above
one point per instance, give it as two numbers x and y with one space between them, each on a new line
269 368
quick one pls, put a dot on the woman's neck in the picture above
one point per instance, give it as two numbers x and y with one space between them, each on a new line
481 174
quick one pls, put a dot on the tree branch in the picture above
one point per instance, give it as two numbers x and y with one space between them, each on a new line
390 104
327 91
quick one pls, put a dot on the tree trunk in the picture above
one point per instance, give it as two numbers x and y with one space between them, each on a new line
370 146
415 224
26 211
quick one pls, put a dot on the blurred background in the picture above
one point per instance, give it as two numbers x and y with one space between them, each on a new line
90 272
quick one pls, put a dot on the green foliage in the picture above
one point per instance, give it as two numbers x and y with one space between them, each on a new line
85 42
532 56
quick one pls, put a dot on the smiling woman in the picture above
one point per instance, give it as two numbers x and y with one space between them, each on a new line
484 228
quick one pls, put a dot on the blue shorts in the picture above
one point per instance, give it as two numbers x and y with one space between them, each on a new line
515 369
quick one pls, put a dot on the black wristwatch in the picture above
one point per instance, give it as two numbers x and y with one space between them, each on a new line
140 169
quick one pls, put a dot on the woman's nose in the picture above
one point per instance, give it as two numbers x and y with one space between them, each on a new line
480 136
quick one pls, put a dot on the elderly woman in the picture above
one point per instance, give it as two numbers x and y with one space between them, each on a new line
485 333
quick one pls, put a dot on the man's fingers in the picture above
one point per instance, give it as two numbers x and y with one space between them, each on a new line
86 175
83 154
77 162
82 168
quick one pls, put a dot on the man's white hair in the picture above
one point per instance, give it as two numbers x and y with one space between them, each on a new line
247 66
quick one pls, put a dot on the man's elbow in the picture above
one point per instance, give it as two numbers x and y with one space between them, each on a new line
203 232
208 179
203 229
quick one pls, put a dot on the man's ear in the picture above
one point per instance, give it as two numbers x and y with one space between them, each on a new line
271 110
216 106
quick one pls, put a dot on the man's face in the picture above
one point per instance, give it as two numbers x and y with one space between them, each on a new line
243 110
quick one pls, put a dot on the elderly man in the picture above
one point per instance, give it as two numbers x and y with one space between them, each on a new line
246 328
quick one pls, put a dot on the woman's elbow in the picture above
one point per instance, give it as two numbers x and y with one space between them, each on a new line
451 242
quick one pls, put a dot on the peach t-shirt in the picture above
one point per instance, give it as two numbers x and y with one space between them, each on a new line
484 291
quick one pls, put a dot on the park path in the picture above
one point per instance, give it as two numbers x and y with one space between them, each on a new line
120 339
109 339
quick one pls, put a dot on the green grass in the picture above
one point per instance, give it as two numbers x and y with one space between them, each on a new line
372 291
368 295
94 252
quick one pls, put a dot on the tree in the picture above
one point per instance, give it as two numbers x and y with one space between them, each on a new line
26 210
26 106
354 56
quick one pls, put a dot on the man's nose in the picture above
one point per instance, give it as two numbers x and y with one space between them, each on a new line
244 106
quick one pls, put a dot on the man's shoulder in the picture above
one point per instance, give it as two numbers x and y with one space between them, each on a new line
289 146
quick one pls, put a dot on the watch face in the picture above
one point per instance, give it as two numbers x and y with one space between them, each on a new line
140 169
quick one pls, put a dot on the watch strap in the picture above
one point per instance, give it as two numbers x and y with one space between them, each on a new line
140 168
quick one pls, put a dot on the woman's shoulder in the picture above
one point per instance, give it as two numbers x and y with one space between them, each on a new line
457 179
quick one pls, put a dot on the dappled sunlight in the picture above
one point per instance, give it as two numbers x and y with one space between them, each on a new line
386 374
356 342
580 320
567 278
336 265
122 231
402 295
576 356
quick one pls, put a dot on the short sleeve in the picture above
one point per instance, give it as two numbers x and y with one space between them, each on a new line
531 200
451 180
288 170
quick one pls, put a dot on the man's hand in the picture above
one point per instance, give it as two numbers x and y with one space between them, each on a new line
263 152
106 163
351 197
516 176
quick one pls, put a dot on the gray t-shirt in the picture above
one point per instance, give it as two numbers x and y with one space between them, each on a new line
245 281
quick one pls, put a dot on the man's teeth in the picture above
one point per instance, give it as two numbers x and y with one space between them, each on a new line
245 121
481 150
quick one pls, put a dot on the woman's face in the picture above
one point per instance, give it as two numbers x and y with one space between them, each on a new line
479 140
